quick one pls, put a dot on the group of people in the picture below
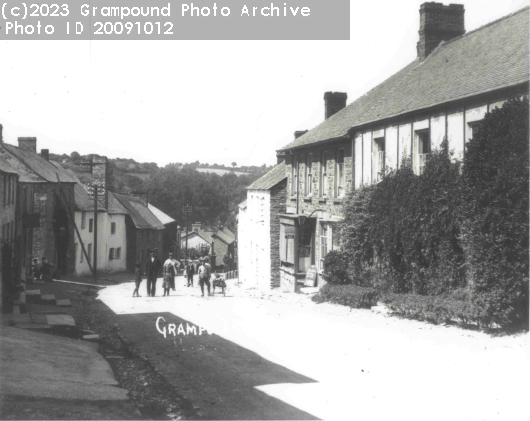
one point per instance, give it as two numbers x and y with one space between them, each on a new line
42 270
169 270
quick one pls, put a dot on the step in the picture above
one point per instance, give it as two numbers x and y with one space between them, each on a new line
60 320
93 337
33 293
48 298
64 303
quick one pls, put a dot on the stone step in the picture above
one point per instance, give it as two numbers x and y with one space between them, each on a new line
32 293
60 320
64 303
48 298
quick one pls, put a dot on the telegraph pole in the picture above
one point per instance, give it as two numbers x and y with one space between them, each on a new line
96 232
187 210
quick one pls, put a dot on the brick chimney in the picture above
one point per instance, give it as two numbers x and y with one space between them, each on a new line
439 23
45 153
334 102
99 171
28 143
299 133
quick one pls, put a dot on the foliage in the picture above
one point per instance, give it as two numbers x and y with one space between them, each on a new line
195 253
448 229
348 295
495 226
336 268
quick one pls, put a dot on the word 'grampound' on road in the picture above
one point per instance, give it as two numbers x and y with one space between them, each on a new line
172 329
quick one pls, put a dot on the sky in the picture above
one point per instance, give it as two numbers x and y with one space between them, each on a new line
211 101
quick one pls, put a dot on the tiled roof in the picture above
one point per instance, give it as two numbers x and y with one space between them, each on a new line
142 217
492 57
270 179
162 217
40 166
25 174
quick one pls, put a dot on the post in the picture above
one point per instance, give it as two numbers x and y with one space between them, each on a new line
95 232
187 236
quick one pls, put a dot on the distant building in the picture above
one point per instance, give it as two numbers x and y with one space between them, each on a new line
144 231
455 80
171 240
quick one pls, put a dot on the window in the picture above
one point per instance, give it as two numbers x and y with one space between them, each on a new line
112 254
309 175
82 256
118 253
294 186
90 225
378 159
89 252
339 176
324 175
113 227
83 220
473 128
75 251
325 233
424 148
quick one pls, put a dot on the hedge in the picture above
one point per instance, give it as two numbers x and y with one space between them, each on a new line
348 295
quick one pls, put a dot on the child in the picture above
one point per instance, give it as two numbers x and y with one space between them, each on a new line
137 279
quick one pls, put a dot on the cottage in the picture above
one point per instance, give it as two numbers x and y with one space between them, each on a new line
43 226
455 80
171 232
259 230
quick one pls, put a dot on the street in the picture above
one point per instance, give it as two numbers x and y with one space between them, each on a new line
264 359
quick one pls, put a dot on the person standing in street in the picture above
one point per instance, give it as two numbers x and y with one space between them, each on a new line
169 272
137 279
190 271
152 270
203 277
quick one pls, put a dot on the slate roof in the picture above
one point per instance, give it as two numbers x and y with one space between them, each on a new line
115 207
25 174
492 57
5 166
84 202
142 217
270 179
46 170
225 236
162 217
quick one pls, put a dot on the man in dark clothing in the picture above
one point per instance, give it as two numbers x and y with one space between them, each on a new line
190 272
152 270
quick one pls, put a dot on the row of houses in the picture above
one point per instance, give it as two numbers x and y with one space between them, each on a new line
46 211
287 223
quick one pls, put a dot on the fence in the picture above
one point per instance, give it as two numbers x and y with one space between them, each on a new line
231 274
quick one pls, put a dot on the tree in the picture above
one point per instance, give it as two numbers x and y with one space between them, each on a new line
234 164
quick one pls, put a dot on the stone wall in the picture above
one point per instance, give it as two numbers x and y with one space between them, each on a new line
277 207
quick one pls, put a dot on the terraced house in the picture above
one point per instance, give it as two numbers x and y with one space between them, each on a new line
446 91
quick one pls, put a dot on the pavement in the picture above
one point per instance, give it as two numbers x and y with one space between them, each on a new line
320 360
46 375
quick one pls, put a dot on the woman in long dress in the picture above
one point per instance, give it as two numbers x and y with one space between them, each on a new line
169 272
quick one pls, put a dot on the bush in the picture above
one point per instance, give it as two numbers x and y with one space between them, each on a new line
348 295
336 268
441 309
495 224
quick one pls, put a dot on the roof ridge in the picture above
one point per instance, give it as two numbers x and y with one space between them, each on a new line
479 28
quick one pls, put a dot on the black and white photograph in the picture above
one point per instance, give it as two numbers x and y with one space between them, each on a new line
295 210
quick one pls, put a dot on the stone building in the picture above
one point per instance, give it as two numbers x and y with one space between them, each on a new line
455 80
8 225
144 231
171 233
44 228
259 230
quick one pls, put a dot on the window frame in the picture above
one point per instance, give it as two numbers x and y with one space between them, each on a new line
113 228
309 175
423 137
91 225
83 220
323 185
294 177
340 179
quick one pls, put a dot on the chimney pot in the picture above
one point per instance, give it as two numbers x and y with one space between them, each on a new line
334 102
45 153
439 23
28 143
